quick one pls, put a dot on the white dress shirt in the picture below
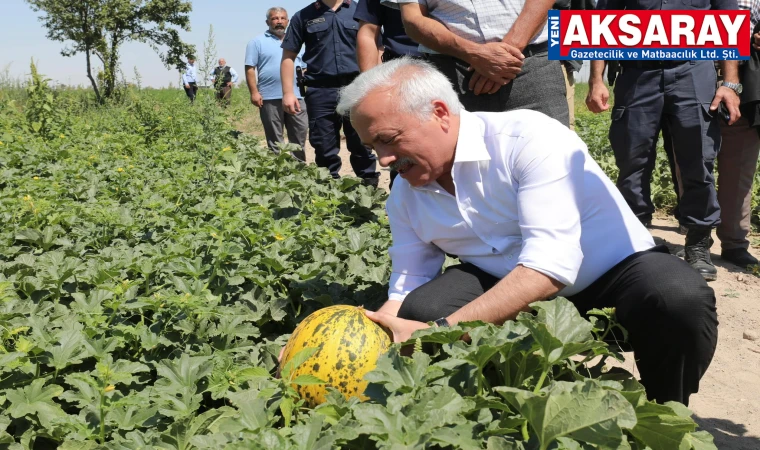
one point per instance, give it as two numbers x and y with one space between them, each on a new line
527 192
481 21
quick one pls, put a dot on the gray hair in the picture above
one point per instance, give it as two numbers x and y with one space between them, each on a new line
275 9
415 84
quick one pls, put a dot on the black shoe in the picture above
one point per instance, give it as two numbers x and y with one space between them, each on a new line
739 256
697 253
647 222
374 181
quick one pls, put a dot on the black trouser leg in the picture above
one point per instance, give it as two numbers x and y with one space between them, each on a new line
669 312
456 287
667 308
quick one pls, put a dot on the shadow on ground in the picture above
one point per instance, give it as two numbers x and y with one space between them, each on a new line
728 435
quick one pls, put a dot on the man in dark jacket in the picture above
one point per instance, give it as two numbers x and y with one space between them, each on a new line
223 78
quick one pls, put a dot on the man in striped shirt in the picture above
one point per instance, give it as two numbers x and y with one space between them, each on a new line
493 51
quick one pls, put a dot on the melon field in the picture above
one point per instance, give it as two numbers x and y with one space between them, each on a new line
154 261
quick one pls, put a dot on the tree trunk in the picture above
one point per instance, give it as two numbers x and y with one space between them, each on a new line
92 80
110 68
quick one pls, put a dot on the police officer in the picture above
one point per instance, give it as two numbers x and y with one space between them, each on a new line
328 31
681 94
384 24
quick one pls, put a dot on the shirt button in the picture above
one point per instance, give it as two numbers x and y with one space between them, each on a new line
509 256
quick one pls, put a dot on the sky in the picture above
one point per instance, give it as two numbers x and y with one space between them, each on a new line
235 23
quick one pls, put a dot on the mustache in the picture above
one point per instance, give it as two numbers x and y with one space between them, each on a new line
279 27
401 163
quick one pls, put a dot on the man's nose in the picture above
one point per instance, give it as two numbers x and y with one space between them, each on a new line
385 159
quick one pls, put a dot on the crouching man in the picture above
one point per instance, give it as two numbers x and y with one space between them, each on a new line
530 215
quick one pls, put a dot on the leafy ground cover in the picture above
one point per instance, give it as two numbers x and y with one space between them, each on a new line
152 262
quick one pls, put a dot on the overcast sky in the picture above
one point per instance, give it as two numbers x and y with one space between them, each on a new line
235 23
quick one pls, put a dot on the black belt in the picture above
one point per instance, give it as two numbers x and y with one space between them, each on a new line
332 82
534 49
651 65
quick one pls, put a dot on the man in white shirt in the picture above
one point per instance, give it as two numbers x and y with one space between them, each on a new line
530 215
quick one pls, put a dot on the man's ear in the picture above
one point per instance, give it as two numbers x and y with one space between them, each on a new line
442 114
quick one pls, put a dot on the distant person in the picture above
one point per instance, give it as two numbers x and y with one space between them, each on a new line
263 57
223 78
380 24
190 78
327 31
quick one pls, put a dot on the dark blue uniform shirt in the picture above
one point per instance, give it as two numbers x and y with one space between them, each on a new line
329 37
667 4
394 35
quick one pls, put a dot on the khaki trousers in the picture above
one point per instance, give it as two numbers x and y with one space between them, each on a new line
570 89
737 161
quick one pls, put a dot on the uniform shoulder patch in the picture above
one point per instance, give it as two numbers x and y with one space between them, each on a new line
315 21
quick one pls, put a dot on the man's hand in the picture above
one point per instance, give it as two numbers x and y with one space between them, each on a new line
290 104
730 99
187 86
597 97
402 329
479 84
497 61
756 41
229 83
257 100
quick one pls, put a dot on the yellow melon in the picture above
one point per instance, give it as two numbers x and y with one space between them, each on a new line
349 344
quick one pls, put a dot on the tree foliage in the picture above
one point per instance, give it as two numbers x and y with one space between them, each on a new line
100 27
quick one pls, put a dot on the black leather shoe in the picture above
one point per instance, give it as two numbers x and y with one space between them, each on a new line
373 181
739 256
697 253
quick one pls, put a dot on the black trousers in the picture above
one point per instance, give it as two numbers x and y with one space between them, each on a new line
677 98
191 92
666 306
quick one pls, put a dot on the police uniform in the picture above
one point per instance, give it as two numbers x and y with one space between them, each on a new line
677 95
330 54
396 43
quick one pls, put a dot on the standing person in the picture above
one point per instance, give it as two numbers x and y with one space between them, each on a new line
683 95
327 30
737 159
223 78
190 78
263 56
377 22
495 52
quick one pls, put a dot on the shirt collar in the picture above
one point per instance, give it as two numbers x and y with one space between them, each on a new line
471 144
319 3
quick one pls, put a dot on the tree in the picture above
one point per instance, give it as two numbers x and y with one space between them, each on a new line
100 27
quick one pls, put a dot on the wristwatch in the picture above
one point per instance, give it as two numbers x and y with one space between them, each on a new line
736 87
442 322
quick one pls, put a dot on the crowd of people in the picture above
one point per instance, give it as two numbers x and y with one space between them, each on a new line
460 100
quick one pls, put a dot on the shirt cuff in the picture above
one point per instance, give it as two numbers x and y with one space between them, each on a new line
555 259
402 284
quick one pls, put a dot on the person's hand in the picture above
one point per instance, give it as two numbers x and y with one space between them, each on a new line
497 61
480 84
730 99
290 104
229 83
597 97
756 41
187 86
402 329
257 100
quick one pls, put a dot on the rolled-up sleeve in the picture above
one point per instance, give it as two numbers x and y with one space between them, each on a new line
549 169
414 262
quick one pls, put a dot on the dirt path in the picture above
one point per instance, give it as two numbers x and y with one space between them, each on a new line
728 403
